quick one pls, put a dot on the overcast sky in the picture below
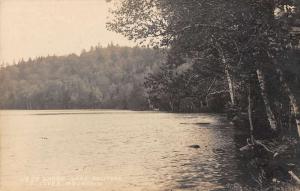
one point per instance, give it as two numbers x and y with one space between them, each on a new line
30 28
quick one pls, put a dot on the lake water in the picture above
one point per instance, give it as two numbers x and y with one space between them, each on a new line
116 150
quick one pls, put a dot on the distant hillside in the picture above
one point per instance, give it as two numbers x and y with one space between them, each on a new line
109 77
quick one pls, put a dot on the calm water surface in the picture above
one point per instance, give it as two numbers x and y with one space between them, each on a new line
116 150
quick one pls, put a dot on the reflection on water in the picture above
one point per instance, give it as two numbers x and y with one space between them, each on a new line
116 150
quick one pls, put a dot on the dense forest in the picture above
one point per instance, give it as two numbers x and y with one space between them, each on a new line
110 77
245 51
243 55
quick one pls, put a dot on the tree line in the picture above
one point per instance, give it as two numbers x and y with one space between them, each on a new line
110 77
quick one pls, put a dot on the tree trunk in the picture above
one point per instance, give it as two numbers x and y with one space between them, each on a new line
250 114
294 177
207 102
201 104
230 83
227 74
294 107
262 84
171 106
151 107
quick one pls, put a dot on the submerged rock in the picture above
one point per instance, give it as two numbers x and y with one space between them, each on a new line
219 150
194 146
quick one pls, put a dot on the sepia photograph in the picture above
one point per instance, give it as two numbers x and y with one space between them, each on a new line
149 95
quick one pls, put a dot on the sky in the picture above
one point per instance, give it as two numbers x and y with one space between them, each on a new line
32 28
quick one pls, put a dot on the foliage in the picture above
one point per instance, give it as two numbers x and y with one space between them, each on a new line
109 77
232 41
251 46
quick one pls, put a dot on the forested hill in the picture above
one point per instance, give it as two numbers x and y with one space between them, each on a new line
110 77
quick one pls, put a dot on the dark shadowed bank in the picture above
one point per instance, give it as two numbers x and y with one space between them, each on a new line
244 52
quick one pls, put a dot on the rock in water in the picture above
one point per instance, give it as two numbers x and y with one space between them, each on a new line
194 146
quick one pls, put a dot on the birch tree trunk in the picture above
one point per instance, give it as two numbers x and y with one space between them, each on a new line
227 74
207 103
150 104
250 114
294 107
262 84
230 85
201 104
171 105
